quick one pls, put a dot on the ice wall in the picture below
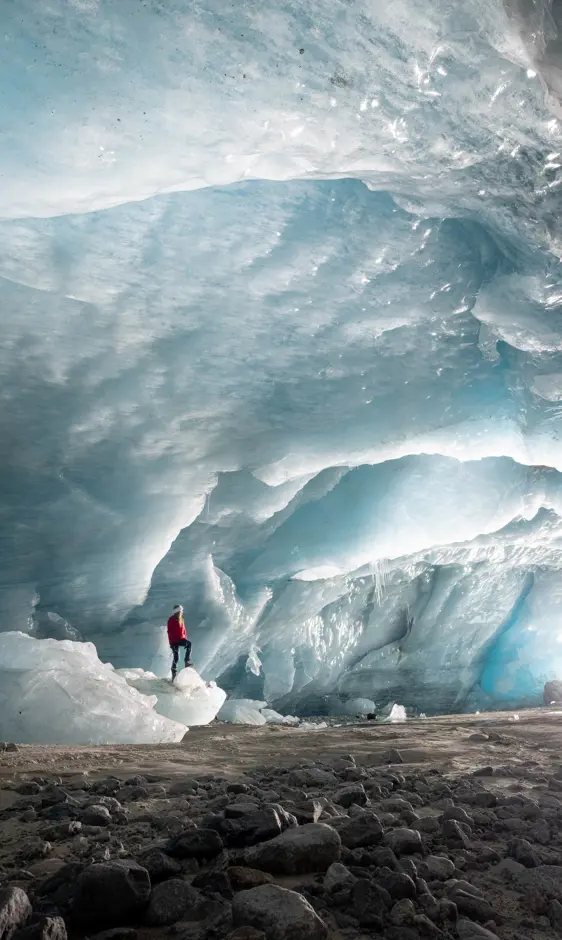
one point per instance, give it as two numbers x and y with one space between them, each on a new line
281 341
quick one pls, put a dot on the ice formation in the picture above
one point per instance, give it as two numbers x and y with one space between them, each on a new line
58 692
189 700
282 342
246 711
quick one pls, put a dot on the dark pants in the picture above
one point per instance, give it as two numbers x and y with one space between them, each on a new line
175 648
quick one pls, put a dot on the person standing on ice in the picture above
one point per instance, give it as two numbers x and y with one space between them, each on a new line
178 637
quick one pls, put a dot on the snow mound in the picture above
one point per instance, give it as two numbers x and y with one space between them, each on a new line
189 700
59 692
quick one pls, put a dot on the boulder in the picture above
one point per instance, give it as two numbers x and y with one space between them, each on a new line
248 828
242 879
169 901
404 841
195 843
281 914
158 865
370 902
108 893
308 848
15 909
361 831
46 928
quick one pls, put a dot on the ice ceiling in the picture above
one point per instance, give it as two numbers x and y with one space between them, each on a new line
281 340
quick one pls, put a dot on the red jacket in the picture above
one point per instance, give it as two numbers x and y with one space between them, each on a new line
176 630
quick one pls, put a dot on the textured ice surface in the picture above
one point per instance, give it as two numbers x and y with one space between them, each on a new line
189 700
281 341
58 692
242 712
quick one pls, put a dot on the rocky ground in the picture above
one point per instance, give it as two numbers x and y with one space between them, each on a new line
440 828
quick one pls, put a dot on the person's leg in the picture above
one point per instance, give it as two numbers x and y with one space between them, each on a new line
187 652
175 653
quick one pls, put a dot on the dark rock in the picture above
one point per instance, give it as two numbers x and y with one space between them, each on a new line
395 804
237 788
555 915
158 865
398 884
458 813
408 866
454 834
116 933
246 933
524 853
535 901
370 903
401 933
392 757
484 798
430 906
242 879
181 787
361 831
338 878
236 810
312 777
248 829
429 824
195 843
384 857
169 901
59 887
15 909
29 788
110 892
132 794
404 841
53 795
281 914
472 906
46 928
287 820
403 912
436 868
547 878
59 811
552 692
62 831
468 930
214 882
307 812
309 848
96 816
347 796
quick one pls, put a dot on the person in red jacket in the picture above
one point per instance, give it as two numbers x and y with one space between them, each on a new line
178 637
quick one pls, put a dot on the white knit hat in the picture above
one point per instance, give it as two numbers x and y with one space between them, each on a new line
177 609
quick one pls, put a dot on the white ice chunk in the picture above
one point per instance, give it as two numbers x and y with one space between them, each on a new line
58 692
242 711
275 718
189 699
397 713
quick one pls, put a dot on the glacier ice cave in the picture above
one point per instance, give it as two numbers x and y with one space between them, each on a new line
281 341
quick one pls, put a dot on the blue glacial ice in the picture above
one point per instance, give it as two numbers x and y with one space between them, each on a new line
282 341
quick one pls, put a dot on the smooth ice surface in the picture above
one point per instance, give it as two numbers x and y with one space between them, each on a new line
58 692
242 712
281 341
189 700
